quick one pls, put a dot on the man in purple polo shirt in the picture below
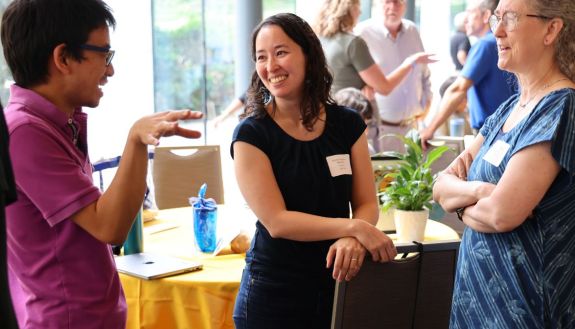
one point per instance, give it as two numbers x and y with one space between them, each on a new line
61 270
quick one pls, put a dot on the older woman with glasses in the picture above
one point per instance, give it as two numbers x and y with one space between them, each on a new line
515 186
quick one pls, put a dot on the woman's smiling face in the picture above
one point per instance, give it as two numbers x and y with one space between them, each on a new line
280 63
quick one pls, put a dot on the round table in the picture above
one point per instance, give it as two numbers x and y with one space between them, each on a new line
202 299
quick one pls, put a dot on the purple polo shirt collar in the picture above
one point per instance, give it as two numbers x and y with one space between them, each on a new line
39 106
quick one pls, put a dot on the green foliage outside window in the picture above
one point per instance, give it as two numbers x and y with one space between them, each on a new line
178 51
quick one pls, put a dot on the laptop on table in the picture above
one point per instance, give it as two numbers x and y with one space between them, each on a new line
150 266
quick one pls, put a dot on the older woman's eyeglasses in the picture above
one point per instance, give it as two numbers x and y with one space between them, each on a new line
109 52
509 20
393 2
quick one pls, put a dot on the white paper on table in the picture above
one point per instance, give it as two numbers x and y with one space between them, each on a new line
156 228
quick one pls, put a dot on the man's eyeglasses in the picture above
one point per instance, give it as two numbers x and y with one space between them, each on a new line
509 20
109 52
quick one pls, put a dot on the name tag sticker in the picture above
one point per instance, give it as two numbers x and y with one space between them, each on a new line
339 164
496 153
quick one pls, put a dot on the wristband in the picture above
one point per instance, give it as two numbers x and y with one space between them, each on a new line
459 212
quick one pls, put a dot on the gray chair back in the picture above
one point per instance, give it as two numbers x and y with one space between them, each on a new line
178 173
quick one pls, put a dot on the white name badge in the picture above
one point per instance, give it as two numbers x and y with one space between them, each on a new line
339 164
496 153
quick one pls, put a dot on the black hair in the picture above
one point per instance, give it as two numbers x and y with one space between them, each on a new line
318 79
31 29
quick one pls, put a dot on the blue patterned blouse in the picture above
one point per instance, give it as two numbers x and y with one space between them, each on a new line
524 278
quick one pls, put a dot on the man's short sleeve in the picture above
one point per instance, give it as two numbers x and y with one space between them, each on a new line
477 61
57 184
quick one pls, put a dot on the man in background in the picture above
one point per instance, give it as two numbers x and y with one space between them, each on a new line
459 44
485 85
391 39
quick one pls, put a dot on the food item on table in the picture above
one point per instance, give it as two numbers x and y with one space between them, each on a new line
149 214
240 243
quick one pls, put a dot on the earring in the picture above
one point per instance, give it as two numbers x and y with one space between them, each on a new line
265 94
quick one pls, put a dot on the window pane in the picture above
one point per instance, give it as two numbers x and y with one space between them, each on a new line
177 40
178 52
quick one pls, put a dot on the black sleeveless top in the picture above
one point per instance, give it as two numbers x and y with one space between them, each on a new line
303 176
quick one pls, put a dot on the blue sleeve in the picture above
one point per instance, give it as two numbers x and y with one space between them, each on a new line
543 123
563 142
480 56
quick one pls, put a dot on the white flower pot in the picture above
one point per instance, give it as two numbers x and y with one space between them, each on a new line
410 225
386 222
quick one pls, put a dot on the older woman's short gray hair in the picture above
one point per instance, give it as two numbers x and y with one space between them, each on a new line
565 45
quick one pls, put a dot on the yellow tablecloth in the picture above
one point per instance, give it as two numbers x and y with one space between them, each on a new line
203 299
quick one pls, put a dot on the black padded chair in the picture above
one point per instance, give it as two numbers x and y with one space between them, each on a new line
411 292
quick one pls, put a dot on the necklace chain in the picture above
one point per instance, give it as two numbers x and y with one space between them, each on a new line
545 86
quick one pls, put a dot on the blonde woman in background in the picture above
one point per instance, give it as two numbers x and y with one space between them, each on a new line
348 57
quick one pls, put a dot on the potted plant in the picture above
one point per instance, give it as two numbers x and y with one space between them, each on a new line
410 189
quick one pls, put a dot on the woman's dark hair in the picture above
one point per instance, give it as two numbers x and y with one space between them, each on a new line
31 29
318 80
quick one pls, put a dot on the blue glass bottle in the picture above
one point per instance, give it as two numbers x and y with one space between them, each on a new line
135 241
205 224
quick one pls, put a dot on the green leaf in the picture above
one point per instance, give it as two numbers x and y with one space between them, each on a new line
393 154
435 154
411 187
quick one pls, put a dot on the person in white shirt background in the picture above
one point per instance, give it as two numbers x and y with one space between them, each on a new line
391 39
